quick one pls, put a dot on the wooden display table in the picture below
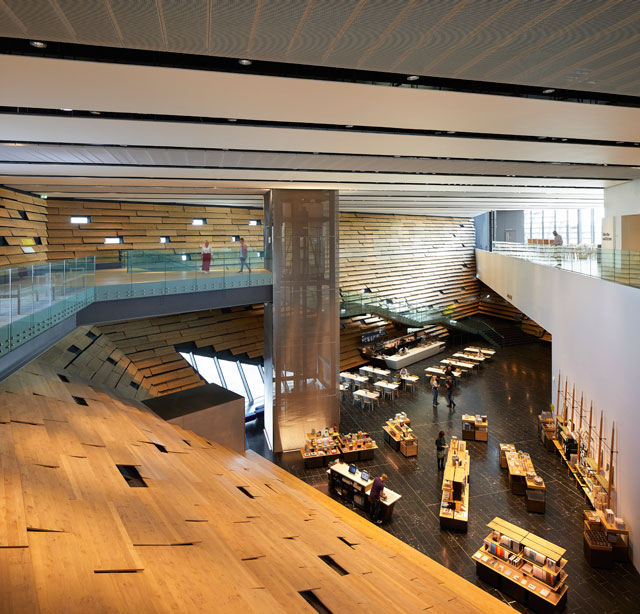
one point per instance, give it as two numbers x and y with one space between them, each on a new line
454 508
522 475
320 449
504 448
475 428
400 437
352 489
524 566
547 432
621 543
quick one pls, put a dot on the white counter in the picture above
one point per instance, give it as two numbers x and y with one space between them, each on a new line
343 470
397 361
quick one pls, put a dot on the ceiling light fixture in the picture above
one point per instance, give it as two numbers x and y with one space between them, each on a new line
67 110
413 77
38 44
94 112
232 119
549 90
348 125
245 62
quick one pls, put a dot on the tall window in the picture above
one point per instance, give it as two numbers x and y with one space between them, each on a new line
574 225
243 378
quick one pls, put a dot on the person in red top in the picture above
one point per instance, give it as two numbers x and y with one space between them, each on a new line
244 250
375 494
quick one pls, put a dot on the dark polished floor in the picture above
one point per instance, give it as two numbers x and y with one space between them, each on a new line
511 390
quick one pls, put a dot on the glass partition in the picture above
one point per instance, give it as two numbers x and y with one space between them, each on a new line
619 266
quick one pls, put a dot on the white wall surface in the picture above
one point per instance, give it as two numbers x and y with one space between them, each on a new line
595 326
623 199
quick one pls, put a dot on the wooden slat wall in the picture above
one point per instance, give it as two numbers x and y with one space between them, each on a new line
76 538
142 224
150 343
428 260
22 217
90 354
492 304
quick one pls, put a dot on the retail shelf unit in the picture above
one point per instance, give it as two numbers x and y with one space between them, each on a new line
524 566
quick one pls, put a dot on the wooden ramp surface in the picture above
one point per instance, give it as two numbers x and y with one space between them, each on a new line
212 531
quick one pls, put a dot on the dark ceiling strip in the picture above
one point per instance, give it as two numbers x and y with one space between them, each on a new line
319 170
114 55
258 123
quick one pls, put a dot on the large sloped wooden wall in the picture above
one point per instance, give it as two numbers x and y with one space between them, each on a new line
200 529
22 224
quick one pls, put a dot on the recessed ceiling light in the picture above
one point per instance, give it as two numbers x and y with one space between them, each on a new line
232 119
413 78
38 44
13 144
94 112
245 62
348 126
548 91
67 110
451 131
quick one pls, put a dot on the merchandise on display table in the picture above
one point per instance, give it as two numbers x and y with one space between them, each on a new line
353 486
475 428
547 430
504 448
357 446
522 475
399 435
328 444
454 508
320 446
524 566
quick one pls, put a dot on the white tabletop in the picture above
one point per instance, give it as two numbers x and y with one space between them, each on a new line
440 371
487 351
353 376
387 385
459 363
410 378
375 371
366 393
477 357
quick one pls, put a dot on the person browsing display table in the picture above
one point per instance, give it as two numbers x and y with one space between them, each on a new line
375 495
441 450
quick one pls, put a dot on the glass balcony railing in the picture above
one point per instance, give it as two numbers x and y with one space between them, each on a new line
34 298
619 266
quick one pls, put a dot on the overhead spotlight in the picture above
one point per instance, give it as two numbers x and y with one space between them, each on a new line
67 110
413 77
232 119
451 131
245 62
348 125
548 91
94 112
38 44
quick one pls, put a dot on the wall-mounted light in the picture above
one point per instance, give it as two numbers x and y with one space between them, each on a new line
255 222
413 78
198 221
245 62
184 257
38 44
112 240
165 239
78 219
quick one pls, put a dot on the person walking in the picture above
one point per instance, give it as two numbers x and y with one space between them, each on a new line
448 372
206 256
244 250
434 389
375 495
449 385
441 450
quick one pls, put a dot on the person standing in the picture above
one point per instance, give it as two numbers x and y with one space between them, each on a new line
449 385
244 250
206 256
375 495
448 372
441 450
434 389
557 242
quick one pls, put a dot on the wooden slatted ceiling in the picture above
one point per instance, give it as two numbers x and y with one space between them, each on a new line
22 223
492 304
142 224
191 541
